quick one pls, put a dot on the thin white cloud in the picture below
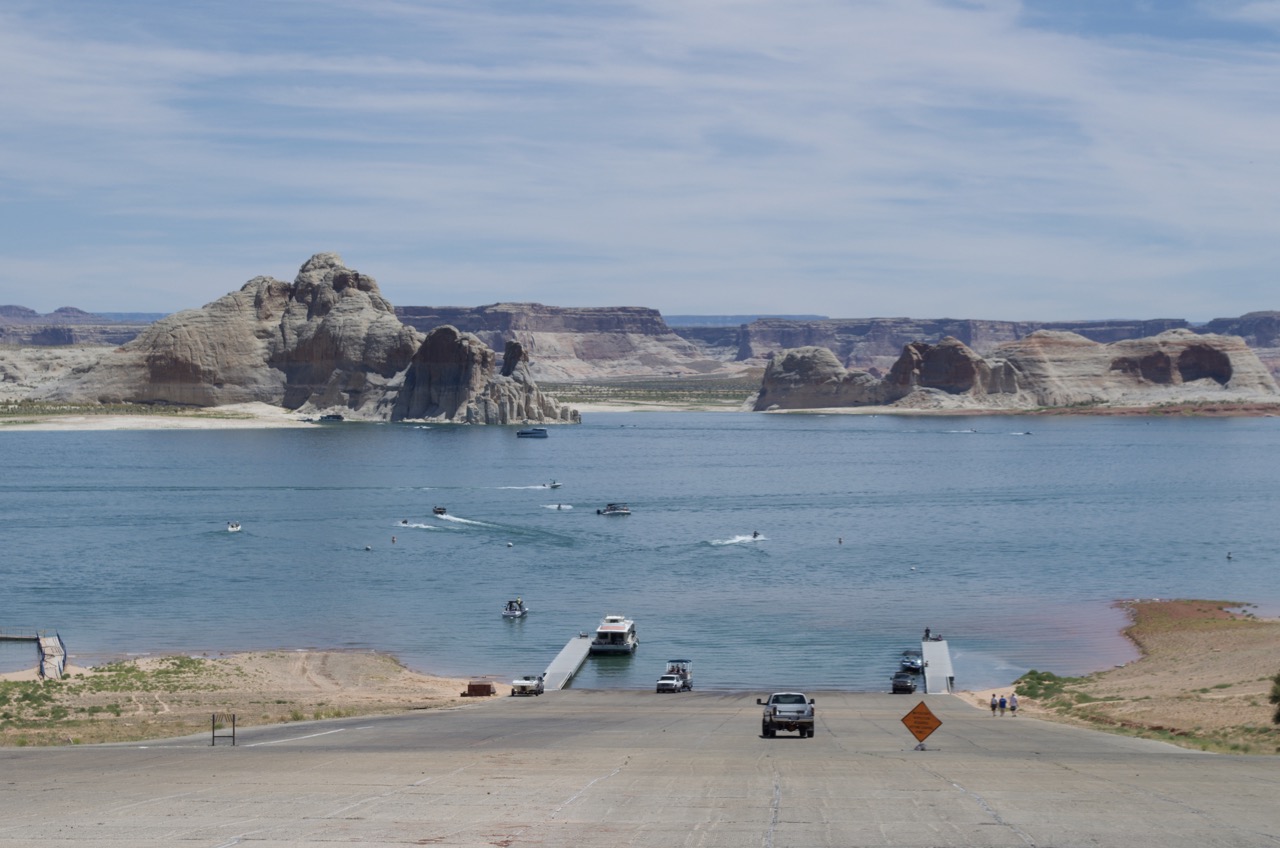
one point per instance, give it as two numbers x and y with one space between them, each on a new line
817 156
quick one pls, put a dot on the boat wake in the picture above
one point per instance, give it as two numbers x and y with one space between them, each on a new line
558 506
416 526
458 520
740 540
542 486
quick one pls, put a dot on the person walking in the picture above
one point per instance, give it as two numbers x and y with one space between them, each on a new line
1013 704
995 705
1003 704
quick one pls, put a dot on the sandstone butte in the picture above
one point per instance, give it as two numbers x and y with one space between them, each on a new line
1045 369
327 342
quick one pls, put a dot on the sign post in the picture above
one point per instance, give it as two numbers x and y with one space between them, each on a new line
921 722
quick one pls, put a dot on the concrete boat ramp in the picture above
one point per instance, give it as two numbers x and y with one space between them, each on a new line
567 662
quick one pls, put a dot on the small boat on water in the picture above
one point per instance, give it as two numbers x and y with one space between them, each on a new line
615 635
532 433
515 609
614 509
553 485
438 510
911 660
233 526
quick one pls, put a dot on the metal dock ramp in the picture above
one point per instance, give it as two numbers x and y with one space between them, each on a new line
939 676
567 663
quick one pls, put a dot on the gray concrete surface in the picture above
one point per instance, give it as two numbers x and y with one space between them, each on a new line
581 768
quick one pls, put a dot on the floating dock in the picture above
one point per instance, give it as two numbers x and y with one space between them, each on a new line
939 676
567 663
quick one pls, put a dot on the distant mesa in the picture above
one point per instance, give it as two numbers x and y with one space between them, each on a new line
1045 369
328 341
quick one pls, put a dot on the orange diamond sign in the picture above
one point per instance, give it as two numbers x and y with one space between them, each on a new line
921 722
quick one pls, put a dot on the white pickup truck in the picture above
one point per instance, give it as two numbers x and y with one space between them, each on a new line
787 711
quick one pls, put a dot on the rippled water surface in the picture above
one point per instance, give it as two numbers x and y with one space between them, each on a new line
1011 536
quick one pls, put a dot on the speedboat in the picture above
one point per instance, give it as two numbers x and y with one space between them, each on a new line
614 509
532 433
515 609
615 635
233 526
911 660
553 485
438 510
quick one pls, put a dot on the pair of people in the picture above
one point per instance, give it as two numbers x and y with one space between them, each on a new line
1002 703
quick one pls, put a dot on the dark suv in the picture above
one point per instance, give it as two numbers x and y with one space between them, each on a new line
904 681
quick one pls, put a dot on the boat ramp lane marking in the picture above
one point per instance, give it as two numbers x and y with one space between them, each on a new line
294 738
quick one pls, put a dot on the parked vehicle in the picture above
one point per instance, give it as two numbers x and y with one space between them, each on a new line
530 684
787 711
903 682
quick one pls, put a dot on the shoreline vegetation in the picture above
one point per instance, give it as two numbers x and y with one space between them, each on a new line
1202 682
173 696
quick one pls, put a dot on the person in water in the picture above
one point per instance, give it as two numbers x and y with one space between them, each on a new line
755 534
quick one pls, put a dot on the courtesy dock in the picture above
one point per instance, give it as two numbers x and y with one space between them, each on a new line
939 676
567 662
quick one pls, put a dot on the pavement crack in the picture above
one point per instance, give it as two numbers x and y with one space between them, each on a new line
774 807
575 796
995 816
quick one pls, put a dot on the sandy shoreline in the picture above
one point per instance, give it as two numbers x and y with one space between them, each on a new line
165 697
1202 681
248 416
240 416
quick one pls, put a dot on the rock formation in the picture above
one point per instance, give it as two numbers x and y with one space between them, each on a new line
1046 369
328 341
577 343
451 378
876 343
62 327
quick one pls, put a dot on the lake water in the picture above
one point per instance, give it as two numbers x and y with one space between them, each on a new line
1012 545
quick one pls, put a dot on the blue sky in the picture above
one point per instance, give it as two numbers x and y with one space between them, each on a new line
1038 160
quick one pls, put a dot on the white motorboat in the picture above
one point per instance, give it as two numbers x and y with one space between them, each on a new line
233 526
515 609
614 509
553 485
615 635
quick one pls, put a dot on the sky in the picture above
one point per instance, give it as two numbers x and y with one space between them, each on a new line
1003 159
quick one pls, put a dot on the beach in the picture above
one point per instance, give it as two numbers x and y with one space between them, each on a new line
1202 681
239 416
165 697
